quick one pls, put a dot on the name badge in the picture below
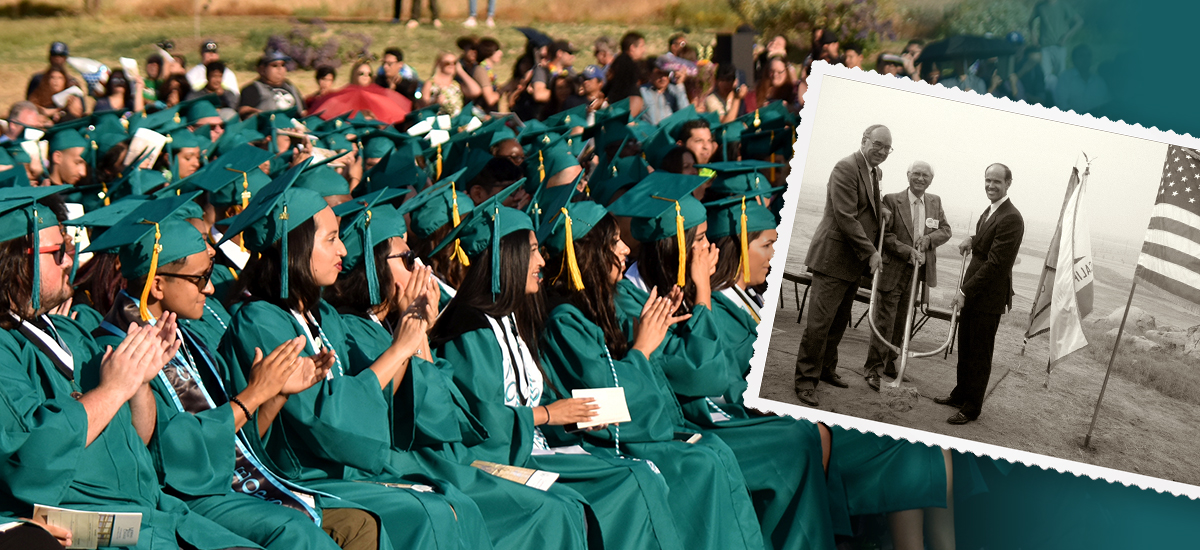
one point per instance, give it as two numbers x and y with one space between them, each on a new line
931 223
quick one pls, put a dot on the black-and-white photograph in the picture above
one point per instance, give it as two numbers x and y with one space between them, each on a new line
966 270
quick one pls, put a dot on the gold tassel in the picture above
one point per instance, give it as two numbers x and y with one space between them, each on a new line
680 238
757 121
572 265
541 168
104 193
438 176
145 313
745 259
459 253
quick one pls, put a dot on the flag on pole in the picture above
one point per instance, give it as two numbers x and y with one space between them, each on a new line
1071 256
1071 299
1170 258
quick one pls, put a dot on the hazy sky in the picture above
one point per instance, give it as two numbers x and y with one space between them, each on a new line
960 140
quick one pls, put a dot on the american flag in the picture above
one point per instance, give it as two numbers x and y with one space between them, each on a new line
1170 257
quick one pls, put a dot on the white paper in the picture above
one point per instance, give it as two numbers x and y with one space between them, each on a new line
93 529
443 122
130 66
613 408
144 140
421 128
33 134
474 124
60 99
79 234
34 150
437 137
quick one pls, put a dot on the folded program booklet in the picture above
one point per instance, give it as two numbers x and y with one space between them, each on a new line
538 479
93 529
613 409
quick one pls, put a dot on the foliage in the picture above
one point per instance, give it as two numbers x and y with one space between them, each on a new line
314 45
861 21
978 17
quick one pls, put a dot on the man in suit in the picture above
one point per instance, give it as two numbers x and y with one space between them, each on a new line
842 251
911 236
986 293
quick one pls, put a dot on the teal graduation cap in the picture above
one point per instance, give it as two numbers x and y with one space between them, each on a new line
366 222
740 215
743 176
482 230
272 213
437 205
324 180
153 235
21 215
234 178
621 174
398 169
570 118
563 222
662 206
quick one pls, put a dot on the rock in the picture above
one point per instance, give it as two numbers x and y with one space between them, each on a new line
1138 320
1170 339
1191 345
1139 343
901 399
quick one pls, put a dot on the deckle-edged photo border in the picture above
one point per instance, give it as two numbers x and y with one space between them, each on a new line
820 72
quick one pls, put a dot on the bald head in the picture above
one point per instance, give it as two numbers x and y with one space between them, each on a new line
876 144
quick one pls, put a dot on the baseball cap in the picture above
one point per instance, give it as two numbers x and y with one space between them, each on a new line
593 71
272 56
208 47
59 48
561 46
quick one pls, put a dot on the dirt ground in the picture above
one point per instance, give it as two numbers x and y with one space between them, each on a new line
1139 430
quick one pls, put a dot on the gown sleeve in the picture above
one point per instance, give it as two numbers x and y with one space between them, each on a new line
474 358
574 348
325 422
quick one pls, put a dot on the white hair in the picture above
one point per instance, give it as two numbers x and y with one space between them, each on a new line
914 165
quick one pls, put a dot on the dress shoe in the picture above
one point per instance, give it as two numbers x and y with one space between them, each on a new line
834 380
873 381
959 418
949 401
808 397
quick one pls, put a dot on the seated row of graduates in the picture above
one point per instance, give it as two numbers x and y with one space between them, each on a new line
346 394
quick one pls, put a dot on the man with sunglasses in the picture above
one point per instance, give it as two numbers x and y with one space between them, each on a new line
271 91
196 440
842 250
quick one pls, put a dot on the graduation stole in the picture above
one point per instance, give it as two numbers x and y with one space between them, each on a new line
747 302
522 384
182 380
52 346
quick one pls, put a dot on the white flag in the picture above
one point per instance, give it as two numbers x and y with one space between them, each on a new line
1071 299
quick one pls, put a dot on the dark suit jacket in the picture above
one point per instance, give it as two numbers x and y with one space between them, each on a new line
849 229
987 284
898 242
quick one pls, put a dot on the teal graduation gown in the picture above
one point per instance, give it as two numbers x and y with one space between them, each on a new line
431 427
86 316
195 454
780 457
708 493
53 466
213 323
875 474
321 441
627 496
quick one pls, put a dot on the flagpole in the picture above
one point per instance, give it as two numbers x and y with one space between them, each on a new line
1117 344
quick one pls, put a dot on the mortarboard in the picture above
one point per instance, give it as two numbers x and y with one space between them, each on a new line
621 174
234 178
743 176
437 205
200 108
272 213
739 215
66 138
483 228
564 222
324 180
662 206
570 118
21 215
366 222
152 235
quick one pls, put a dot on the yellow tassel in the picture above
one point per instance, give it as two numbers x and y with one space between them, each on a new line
438 176
459 253
572 265
745 259
245 191
541 168
757 121
145 313
680 238
104 192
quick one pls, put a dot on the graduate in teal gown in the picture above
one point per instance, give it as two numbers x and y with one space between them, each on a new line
487 335
433 213
671 225
708 493
877 474
197 450
430 419
319 438
86 410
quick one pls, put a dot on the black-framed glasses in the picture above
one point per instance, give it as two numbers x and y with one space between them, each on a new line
886 149
201 280
408 257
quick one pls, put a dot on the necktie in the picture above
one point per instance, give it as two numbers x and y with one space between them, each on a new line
917 222
982 218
